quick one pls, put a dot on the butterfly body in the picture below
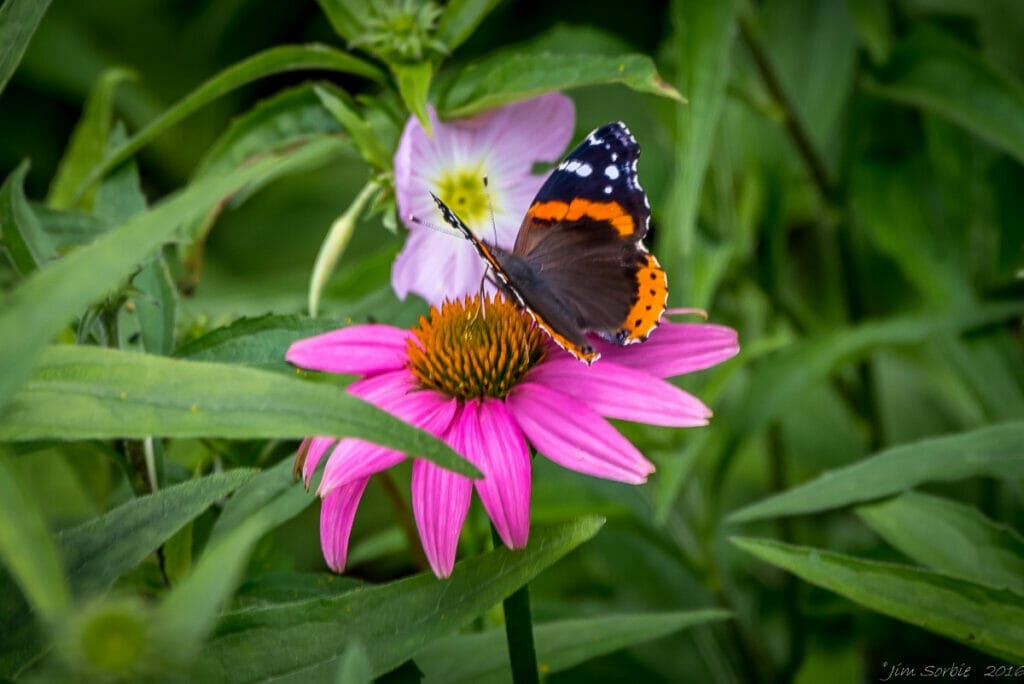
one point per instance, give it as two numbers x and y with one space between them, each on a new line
579 264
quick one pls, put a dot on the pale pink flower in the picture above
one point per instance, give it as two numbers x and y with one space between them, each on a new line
487 382
502 145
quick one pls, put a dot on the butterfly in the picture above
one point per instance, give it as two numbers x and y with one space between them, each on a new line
579 264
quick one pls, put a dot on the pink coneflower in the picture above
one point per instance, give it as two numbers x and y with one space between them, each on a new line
502 145
486 380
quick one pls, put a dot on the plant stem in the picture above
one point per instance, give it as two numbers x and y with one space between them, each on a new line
405 520
519 632
794 125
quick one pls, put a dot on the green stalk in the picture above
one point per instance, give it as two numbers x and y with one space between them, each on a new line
519 632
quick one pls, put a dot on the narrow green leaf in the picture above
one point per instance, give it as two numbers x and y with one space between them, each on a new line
282 587
119 196
354 667
413 82
950 537
460 19
706 31
190 609
987 619
100 550
21 233
88 141
996 451
156 306
505 78
258 342
303 640
363 136
779 379
18 21
885 199
69 228
273 61
935 72
289 118
55 294
177 554
347 17
483 657
96 393
874 27
275 489
27 548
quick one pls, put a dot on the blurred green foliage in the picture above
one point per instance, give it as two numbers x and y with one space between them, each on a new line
843 186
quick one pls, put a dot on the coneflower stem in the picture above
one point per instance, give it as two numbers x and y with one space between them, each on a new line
519 632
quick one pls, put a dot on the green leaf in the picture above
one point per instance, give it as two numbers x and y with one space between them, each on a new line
20 231
27 549
888 211
119 196
303 640
354 666
989 620
706 31
950 537
276 60
933 71
460 19
504 78
413 82
274 491
156 306
100 550
69 228
88 141
282 587
95 393
363 136
52 296
18 21
190 609
258 342
996 451
289 118
347 17
483 657
779 379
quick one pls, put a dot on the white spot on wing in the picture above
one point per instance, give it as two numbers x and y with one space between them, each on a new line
584 170
607 189
611 171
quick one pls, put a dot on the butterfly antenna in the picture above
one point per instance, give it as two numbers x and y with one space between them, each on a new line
432 226
490 208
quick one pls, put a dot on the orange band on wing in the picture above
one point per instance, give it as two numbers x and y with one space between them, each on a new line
652 294
611 211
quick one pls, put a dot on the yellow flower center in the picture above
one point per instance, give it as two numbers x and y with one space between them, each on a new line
465 193
467 350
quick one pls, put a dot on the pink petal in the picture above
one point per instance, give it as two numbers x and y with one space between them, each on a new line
675 349
356 458
572 435
359 349
436 266
336 515
621 392
526 132
488 435
440 501
384 389
318 446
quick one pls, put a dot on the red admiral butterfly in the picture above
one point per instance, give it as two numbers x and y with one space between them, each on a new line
579 263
